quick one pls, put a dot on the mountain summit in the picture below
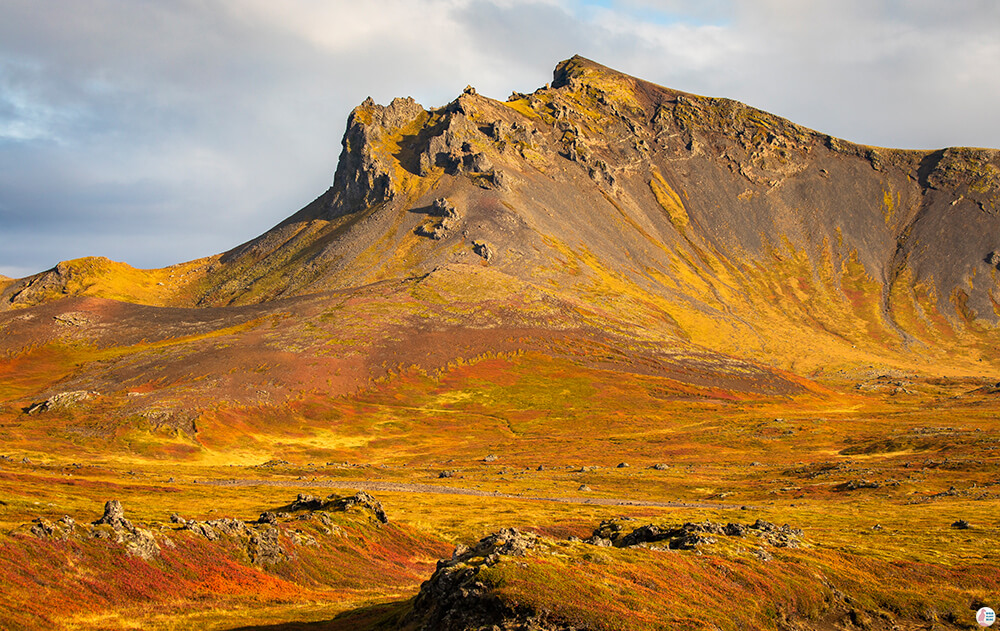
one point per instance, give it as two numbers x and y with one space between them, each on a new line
679 216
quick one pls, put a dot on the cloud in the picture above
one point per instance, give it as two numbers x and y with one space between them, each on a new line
156 131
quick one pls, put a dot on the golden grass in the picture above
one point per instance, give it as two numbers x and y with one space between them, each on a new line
104 278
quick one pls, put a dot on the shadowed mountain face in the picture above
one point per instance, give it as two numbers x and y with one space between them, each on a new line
606 204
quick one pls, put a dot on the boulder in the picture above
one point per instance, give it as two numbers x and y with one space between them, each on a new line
443 208
482 249
114 516
365 501
306 502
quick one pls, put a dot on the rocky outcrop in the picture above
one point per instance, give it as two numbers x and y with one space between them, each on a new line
267 541
458 597
366 173
114 516
361 500
689 536
483 249
445 218
61 400
38 288
138 542
444 208
454 599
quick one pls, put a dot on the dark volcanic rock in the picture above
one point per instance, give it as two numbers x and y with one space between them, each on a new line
306 502
365 174
482 249
363 500
61 400
689 536
454 599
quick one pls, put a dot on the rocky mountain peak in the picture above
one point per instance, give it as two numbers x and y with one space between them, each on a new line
366 173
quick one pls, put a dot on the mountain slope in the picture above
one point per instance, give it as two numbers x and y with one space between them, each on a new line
684 215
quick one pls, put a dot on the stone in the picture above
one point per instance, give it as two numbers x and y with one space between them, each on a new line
304 501
366 501
854 485
482 249
437 230
476 163
141 543
498 130
42 529
204 530
690 541
455 597
114 516
734 530
264 548
443 208
961 524
228 527
622 465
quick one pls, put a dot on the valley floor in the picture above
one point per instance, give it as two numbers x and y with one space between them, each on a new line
894 485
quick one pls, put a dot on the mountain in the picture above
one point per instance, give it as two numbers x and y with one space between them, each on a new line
679 216
601 218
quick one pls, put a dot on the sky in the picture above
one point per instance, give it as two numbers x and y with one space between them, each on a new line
159 131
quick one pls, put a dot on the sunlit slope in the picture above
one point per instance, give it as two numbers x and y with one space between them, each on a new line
672 215
101 277
111 367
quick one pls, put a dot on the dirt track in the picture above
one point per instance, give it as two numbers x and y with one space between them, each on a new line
402 487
